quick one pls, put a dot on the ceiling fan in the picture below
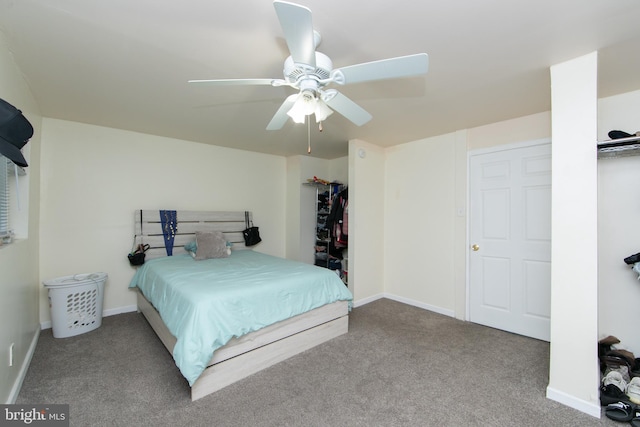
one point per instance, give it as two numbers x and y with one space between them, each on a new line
311 72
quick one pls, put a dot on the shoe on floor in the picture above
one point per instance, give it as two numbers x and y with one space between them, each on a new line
635 421
633 390
622 369
613 388
611 394
616 378
621 411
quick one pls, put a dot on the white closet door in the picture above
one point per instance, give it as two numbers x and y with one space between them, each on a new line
510 237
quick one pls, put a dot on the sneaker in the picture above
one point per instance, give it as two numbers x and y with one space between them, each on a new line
622 370
615 378
613 389
633 390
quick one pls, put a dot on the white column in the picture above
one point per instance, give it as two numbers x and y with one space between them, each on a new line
574 376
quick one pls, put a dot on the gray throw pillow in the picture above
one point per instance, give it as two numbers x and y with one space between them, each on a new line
211 244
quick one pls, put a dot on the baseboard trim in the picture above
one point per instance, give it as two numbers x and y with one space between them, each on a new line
120 310
22 374
573 402
367 300
110 312
409 301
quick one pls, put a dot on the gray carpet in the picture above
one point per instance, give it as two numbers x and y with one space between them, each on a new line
398 366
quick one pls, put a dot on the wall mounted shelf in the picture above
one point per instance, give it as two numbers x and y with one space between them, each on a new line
621 147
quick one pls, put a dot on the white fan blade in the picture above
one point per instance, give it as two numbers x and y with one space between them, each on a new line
280 118
403 66
231 82
346 107
297 26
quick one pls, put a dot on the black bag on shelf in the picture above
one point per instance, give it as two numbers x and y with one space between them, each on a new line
251 234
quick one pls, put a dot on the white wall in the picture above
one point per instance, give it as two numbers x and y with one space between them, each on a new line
19 261
419 228
618 230
94 178
295 223
339 170
527 128
366 220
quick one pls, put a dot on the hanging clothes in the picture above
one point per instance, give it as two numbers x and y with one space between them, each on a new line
345 218
337 221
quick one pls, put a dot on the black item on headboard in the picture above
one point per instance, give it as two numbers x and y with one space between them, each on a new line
137 257
251 234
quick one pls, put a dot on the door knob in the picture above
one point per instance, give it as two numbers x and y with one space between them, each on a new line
475 248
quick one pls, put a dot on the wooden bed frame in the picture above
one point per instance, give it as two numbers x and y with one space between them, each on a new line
257 350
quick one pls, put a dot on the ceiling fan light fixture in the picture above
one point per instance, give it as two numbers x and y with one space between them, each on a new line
307 104
297 118
300 110
322 111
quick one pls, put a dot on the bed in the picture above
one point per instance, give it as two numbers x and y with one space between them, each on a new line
199 309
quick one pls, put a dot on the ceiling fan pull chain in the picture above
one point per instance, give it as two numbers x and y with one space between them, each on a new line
308 135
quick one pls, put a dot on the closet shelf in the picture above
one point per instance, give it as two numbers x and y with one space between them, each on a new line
621 147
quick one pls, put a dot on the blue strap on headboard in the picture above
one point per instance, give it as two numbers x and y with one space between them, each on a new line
169 221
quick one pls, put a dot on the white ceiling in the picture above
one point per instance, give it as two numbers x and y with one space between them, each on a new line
125 63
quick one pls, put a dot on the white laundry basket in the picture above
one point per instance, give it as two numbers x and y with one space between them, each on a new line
76 303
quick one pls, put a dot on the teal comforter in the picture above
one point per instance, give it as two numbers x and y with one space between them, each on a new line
206 303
